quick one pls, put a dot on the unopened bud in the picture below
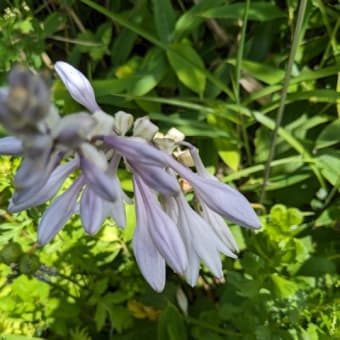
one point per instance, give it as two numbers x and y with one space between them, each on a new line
123 122
77 85
143 128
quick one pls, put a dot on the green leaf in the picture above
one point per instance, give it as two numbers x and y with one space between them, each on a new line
266 73
120 317
260 11
100 315
329 163
188 65
164 16
190 19
329 136
330 216
150 74
190 127
171 325
284 288
52 23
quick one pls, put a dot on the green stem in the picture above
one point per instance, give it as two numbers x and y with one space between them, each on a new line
238 76
295 43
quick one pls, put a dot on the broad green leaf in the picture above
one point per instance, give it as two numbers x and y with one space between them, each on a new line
164 17
330 216
329 163
171 325
260 11
122 46
120 317
266 73
187 64
284 288
52 23
149 75
330 135
100 315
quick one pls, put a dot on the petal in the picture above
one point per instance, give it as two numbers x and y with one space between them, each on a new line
227 202
101 183
150 261
59 212
162 229
73 129
116 209
32 176
200 237
219 197
137 149
77 85
220 228
11 146
91 211
51 187
157 178
170 207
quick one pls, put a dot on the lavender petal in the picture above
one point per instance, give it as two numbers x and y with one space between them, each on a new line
59 212
150 261
100 182
198 235
51 187
220 228
77 85
11 146
137 149
162 229
219 197
157 178
91 211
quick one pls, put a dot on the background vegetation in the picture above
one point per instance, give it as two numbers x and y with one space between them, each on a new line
226 73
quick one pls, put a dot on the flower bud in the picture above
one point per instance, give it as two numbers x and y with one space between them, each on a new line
143 128
123 122
77 85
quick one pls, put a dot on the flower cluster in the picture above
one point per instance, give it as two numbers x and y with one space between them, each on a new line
92 144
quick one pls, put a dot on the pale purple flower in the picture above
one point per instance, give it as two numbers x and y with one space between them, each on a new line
168 230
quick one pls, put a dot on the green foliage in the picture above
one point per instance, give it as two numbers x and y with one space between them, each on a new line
195 66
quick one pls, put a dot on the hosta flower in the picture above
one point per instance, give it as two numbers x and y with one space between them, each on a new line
90 147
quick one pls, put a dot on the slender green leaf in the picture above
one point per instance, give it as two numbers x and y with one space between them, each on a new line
188 65
261 11
164 16
330 135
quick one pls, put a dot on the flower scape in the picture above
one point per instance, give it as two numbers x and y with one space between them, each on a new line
92 144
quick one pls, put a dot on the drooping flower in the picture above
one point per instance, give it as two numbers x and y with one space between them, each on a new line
168 230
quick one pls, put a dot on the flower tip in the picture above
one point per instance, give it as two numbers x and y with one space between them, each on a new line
77 85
